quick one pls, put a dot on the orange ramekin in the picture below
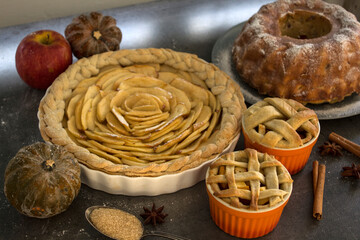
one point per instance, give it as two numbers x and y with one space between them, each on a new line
244 223
294 159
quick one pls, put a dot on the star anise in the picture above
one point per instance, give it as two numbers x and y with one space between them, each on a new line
353 171
330 148
154 215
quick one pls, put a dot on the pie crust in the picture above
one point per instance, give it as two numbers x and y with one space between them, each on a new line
249 180
280 123
159 82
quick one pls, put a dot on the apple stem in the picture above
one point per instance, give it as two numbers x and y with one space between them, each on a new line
46 40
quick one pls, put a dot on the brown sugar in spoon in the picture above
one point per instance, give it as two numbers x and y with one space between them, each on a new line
118 224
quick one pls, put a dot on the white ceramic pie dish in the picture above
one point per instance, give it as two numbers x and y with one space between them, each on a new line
147 186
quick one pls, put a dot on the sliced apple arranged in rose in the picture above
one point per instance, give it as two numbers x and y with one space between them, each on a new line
134 116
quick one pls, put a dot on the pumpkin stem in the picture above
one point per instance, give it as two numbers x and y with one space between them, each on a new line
48 165
96 34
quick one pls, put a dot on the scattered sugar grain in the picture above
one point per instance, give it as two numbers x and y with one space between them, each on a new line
117 224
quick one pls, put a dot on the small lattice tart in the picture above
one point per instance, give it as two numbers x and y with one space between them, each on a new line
142 112
280 123
249 180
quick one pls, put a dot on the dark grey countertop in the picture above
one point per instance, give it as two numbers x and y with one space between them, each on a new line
191 26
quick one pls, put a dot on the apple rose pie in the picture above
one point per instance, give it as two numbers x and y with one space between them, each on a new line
144 112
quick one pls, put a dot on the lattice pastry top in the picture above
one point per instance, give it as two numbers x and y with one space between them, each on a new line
281 123
144 112
249 180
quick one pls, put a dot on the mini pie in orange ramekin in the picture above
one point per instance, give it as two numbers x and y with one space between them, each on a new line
247 191
283 128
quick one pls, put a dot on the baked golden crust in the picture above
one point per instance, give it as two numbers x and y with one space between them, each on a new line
305 50
249 180
280 123
66 111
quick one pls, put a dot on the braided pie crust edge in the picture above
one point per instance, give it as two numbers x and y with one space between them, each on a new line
52 108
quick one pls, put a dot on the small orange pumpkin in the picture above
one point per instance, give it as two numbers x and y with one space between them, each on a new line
92 34
42 180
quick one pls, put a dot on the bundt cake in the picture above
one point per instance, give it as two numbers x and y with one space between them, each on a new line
306 50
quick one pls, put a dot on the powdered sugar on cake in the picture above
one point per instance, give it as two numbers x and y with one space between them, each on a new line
302 69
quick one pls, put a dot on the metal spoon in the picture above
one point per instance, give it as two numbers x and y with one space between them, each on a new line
89 210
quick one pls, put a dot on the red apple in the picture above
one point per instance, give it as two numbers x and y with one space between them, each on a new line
41 56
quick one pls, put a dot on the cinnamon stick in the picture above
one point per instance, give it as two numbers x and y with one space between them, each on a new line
345 143
315 173
319 193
